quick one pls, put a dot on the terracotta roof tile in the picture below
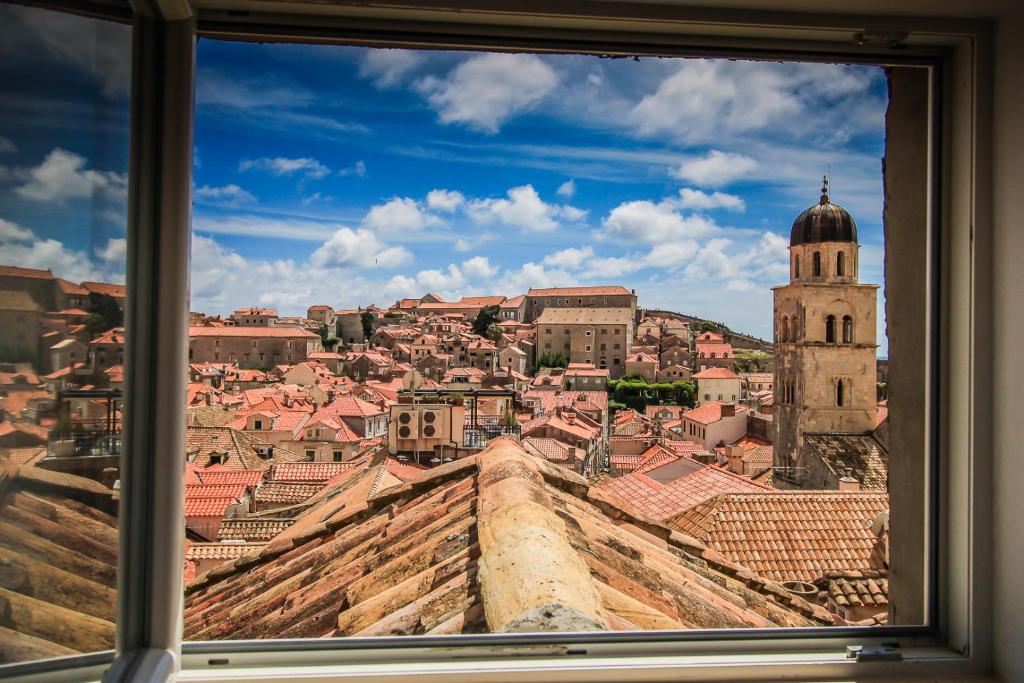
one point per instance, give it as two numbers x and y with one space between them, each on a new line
252 529
791 535
58 550
219 551
207 507
422 557
710 412
716 373
662 501
856 455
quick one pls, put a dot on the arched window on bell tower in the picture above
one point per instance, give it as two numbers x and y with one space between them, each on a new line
847 329
816 270
840 264
796 266
840 393
830 329
784 329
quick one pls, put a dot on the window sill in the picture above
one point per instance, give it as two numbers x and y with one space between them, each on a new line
933 664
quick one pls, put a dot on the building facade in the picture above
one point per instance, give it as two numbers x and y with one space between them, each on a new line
825 343
251 347
595 336
537 300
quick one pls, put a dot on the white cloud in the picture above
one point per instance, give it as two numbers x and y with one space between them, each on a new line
6 146
254 225
307 166
399 214
435 279
523 209
486 90
572 214
114 252
567 189
706 99
13 232
52 254
715 169
702 201
445 200
534 275
231 194
217 88
388 67
479 267
671 255
358 169
572 258
62 175
360 249
650 223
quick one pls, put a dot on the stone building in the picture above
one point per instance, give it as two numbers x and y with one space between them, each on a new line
596 336
824 343
537 300
251 347
322 314
19 327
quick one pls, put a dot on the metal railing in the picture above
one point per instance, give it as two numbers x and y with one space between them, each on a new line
86 437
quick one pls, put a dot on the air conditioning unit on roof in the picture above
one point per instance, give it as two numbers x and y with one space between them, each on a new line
407 425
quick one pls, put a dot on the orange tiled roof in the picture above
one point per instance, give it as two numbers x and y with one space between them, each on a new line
59 543
250 332
116 291
663 501
418 557
709 412
207 507
35 273
309 471
289 492
716 373
215 490
219 551
859 455
221 474
252 529
791 535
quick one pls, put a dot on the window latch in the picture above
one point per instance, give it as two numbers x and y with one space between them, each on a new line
874 653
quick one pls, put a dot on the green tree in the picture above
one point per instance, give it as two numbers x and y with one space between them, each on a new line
552 360
494 332
487 316
104 314
708 326
366 318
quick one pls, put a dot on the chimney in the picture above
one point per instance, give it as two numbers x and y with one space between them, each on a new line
728 410
735 458
705 457
569 417
848 484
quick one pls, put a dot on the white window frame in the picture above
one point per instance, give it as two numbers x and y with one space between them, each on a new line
152 520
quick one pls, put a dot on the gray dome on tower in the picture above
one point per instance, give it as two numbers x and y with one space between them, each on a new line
823 222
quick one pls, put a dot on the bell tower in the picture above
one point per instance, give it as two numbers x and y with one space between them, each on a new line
825 350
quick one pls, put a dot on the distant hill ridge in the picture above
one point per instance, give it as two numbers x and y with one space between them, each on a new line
737 339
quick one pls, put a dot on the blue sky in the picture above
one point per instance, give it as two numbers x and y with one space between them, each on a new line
350 176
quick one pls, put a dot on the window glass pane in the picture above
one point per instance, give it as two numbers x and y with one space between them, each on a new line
400 262
64 135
